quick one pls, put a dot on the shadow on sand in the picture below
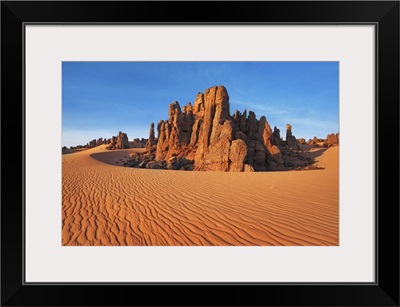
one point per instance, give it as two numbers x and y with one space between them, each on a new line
113 157
312 152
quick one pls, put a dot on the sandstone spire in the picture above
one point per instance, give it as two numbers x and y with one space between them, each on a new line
291 141
152 140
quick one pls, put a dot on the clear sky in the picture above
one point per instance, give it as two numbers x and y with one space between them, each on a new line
99 99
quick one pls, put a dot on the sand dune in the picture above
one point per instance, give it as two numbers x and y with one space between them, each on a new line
106 204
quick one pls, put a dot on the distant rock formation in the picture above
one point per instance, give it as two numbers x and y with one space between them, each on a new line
315 141
301 141
205 137
91 144
291 141
119 142
94 143
332 140
151 142
138 143
122 141
115 142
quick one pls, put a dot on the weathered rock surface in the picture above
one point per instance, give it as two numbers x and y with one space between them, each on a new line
205 137
237 156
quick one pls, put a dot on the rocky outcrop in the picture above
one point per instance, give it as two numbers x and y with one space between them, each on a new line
209 136
138 143
277 136
91 144
331 140
94 143
122 141
301 141
206 137
118 142
112 143
315 141
173 133
151 142
216 130
291 141
237 156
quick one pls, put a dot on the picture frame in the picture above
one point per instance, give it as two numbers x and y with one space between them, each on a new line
15 15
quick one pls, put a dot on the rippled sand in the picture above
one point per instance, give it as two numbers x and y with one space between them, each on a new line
106 204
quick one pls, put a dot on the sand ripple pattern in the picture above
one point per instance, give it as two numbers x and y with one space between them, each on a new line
104 204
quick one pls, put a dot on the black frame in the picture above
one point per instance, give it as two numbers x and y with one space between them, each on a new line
383 14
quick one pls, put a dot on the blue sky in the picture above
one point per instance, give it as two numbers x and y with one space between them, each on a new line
101 98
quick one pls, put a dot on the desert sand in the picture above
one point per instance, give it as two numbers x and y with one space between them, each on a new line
104 203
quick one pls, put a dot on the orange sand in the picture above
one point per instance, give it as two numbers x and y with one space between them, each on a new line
106 204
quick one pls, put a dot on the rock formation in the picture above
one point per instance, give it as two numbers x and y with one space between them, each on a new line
122 141
301 141
315 141
205 137
151 142
332 140
119 142
94 143
277 136
291 141
138 143
91 144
